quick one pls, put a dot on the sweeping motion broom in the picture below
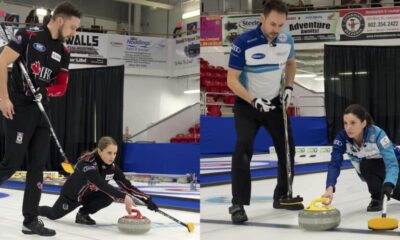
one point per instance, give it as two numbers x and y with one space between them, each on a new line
383 223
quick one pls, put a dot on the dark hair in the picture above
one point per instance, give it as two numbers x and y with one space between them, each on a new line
66 10
103 143
275 5
360 112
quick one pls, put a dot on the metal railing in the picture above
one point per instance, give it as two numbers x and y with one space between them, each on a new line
163 120
299 105
204 102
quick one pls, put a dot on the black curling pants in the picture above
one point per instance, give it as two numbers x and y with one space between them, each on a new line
28 134
247 123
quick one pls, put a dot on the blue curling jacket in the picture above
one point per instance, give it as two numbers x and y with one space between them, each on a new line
376 144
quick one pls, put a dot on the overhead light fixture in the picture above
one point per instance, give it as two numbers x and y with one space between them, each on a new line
320 78
334 78
306 75
351 73
191 14
41 12
192 91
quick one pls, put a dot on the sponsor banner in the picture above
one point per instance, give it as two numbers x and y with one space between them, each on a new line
369 23
88 61
310 27
191 28
140 55
185 55
211 31
233 26
88 48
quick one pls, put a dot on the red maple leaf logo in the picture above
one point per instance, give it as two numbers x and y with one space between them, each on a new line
36 68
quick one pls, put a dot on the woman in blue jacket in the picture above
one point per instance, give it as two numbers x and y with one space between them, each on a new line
372 154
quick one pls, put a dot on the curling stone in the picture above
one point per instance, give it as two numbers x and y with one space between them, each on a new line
134 224
319 217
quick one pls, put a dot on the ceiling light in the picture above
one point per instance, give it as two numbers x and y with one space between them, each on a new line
306 75
192 91
320 78
41 12
191 14
351 73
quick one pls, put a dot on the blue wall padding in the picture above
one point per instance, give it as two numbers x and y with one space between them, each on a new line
218 134
162 158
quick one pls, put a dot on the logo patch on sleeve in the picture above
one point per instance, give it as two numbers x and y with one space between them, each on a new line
56 56
109 177
282 37
337 142
88 168
236 48
385 142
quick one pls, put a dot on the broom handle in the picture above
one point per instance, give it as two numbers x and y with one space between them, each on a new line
384 207
286 136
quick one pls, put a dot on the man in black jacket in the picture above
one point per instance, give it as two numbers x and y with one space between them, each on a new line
46 59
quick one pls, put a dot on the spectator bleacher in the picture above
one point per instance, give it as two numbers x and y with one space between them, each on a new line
192 136
216 93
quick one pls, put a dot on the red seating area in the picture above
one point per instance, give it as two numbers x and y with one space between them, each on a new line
213 79
193 135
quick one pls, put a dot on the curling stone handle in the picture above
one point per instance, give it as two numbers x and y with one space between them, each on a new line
314 206
319 200
138 214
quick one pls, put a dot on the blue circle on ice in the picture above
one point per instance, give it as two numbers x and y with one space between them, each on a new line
3 195
228 199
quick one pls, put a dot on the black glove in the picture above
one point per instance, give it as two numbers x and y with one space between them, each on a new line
387 189
41 92
262 105
151 205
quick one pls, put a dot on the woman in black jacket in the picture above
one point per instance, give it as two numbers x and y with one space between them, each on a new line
88 186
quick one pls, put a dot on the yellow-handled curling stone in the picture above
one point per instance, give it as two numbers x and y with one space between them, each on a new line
319 217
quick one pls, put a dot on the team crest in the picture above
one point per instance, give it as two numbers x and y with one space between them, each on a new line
36 68
20 137
282 37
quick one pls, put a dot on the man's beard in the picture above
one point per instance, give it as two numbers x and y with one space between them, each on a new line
61 38
272 35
